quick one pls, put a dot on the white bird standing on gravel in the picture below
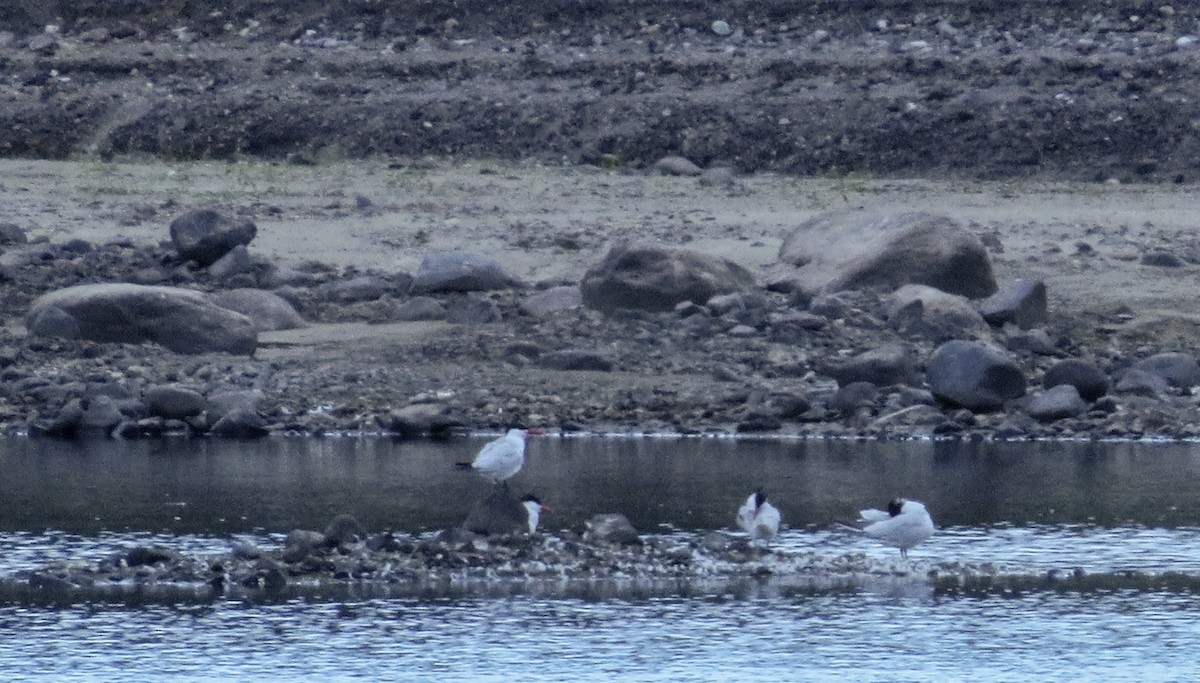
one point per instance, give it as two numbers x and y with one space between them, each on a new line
533 510
502 458
759 518
905 524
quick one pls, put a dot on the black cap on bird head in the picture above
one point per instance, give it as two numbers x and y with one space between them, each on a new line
760 497
530 498
895 505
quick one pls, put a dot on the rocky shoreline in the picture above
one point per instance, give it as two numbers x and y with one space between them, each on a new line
339 564
642 338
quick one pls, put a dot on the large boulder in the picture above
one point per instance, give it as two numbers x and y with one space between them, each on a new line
460 271
882 366
205 235
1180 370
973 375
928 312
850 249
182 320
1087 378
651 278
267 310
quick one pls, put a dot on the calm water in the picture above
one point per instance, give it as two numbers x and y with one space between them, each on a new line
1101 507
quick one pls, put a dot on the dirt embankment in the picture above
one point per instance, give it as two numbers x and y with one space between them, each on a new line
965 88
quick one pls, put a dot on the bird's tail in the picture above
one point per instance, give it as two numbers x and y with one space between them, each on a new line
462 465
847 526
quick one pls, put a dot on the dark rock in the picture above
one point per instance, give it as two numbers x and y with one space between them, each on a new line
344 530
460 271
1034 341
1088 379
1021 302
182 320
553 300
854 250
1180 370
52 322
791 406
240 423
575 359
266 310
848 399
922 311
420 419
205 235
300 543
760 419
973 375
11 233
420 308
473 312
1162 259
235 261
1056 403
881 366
1142 383
146 555
652 278
612 527
497 515
831 306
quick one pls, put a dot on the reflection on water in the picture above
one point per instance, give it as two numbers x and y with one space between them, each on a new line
1104 507
224 487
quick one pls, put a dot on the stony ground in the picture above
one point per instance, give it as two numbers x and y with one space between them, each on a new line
354 137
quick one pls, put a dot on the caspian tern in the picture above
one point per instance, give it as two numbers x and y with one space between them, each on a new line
533 510
759 518
905 524
500 459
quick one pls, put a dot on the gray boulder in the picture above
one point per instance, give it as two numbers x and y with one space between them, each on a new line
1021 302
497 515
354 289
612 527
882 366
460 271
1056 403
420 308
930 313
473 312
652 278
1142 383
1180 370
973 375
52 321
677 165
553 300
240 423
1034 341
855 250
205 235
266 310
172 402
1087 378
420 419
182 320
